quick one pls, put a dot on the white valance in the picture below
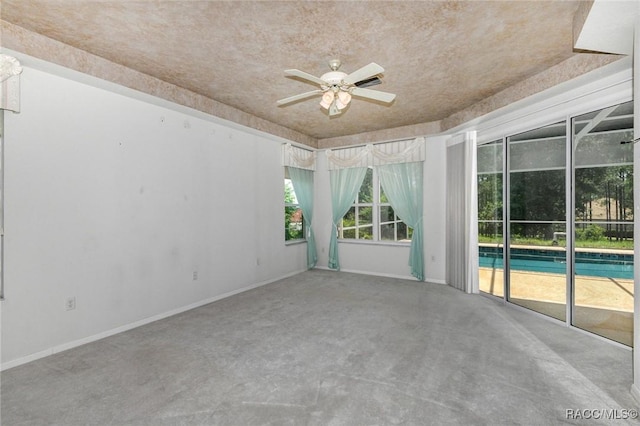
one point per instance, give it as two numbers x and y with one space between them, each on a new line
10 71
297 157
348 157
405 151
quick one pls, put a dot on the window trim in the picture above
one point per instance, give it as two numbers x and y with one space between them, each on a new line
295 242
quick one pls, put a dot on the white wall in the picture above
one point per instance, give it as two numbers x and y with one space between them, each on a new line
384 259
435 209
117 202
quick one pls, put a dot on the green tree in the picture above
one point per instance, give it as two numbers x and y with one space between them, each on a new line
490 204
588 190
617 188
537 196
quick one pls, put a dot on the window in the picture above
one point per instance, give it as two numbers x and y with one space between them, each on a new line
293 220
371 217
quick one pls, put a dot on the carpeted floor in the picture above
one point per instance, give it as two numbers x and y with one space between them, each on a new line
326 348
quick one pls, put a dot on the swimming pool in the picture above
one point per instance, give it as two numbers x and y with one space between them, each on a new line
611 265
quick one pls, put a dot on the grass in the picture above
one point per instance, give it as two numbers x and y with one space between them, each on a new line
603 243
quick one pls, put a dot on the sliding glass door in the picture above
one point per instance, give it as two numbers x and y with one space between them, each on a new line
490 223
603 203
555 220
537 220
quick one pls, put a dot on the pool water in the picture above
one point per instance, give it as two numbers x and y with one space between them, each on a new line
555 262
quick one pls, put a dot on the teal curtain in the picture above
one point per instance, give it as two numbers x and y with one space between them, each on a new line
302 181
403 185
345 184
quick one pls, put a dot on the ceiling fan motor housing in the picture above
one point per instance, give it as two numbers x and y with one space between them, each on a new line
333 78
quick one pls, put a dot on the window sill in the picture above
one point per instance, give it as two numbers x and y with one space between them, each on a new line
374 243
294 242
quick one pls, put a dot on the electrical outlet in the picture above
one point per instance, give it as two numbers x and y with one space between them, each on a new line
195 275
70 303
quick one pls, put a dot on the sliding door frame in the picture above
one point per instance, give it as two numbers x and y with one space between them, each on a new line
570 191
506 219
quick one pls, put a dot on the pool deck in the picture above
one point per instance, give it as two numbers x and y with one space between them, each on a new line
603 305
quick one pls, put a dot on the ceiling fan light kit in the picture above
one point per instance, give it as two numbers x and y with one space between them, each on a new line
337 87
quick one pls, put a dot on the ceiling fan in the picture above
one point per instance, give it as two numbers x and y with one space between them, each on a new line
337 87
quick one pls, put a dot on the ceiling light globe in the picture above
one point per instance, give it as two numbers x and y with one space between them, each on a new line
343 100
327 99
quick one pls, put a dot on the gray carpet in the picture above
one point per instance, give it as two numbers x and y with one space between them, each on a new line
326 348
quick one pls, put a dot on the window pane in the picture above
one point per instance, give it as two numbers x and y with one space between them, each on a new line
402 231
366 190
289 193
349 233
349 219
365 216
541 155
387 232
538 196
605 195
601 149
293 223
539 149
489 200
383 196
490 158
365 233
386 214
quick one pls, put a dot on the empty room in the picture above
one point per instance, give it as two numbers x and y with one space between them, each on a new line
318 212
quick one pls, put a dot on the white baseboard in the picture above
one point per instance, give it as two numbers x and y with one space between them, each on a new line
375 274
130 326
380 274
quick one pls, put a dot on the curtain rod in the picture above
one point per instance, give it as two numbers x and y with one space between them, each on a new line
371 143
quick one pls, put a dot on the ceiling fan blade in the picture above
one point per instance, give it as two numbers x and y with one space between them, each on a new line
373 81
373 94
363 73
299 97
305 76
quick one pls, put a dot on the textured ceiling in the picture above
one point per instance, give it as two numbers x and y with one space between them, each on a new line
439 57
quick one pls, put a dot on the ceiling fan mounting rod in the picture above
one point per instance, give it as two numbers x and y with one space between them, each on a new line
334 64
